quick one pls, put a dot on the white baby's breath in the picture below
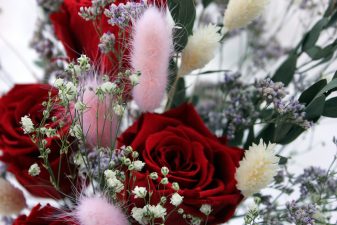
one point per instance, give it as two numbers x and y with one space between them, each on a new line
139 192
138 165
34 170
257 168
176 199
199 49
27 124
206 209
240 13
119 110
108 87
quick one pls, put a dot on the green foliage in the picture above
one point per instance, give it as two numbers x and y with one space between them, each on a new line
286 71
183 14
308 45
330 108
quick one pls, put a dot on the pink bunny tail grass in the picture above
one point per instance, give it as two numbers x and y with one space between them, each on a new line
151 50
98 211
99 124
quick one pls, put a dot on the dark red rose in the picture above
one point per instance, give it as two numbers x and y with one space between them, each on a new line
19 152
203 166
46 215
80 36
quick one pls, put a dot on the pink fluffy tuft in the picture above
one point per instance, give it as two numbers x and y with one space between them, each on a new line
98 211
151 50
98 130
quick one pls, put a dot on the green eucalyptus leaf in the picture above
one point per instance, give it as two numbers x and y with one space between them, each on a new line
286 71
183 14
180 93
293 133
330 108
310 93
281 131
312 36
283 160
329 87
315 109
266 134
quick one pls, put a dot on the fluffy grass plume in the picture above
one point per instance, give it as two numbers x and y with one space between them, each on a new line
98 211
200 49
257 169
151 50
240 13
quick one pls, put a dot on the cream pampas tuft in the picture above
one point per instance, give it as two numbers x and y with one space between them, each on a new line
240 13
199 49
257 169
151 50
12 200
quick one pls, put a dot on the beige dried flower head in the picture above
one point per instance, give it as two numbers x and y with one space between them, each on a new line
12 200
199 49
257 168
240 13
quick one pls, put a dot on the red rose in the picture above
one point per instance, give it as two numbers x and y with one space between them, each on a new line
80 36
19 152
202 165
46 215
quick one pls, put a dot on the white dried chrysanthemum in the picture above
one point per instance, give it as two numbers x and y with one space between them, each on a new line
12 200
240 13
257 168
200 49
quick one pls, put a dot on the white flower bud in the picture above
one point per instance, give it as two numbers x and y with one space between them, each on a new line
139 192
206 209
108 87
164 170
34 170
176 199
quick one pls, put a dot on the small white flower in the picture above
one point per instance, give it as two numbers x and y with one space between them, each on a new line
138 215
76 131
154 175
80 106
84 63
240 13
157 211
176 199
134 78
34 170
139 192
115 184
206 209
68 92
257 168
119 110
58 83
138 165
200 49
109 174
108 87
27 124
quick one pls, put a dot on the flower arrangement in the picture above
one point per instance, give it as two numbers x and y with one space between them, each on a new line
113 135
